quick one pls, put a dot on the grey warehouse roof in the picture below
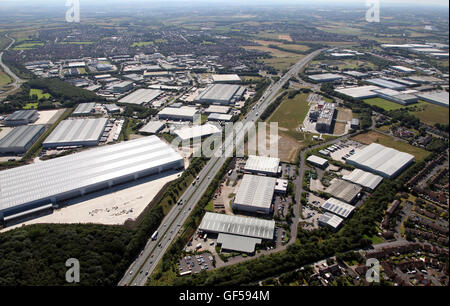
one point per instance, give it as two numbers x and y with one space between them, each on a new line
141 96
363 178
338 207
44 180
256 191
20 136
243 226
21 115
262 164
238 243
152 127
343 190
330 220
78 130
219 92
84 108
382 160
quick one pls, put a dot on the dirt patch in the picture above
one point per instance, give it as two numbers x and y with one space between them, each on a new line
344 114
285 37
339 128
288 148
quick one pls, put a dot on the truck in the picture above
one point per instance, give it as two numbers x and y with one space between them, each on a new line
155 235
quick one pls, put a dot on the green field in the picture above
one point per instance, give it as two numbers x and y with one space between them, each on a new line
4 78
432 114
31 106
291 113
28 45
383 103
39 94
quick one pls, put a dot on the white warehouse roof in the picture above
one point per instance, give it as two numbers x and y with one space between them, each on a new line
381 160
316 160
226 78
363 178
243 226
197 131
360 92
338 207
76 132
330 220
262 164
38 183
255 191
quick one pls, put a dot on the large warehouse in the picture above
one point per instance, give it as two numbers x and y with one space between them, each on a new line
317 161
226 78
21 138
363 178
184 113
325 77
84 109
76 132
255 194
381 160
21 117
38 185
141 96
343 190
197 131
237 233
262 164
359 92
223 94
437 97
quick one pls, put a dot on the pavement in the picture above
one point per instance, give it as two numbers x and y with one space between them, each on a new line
173 222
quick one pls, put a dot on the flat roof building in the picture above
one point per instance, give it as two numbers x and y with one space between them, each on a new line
49 182
325 77
437 97
22 117
386 83
152 127
223 94
364 179
141 96
355 124
76 132
226 78
381 160
197 131
255 194
403 69
84 109
122 87
325 120
236 225
237 243
21 138
317 161
343 190
184 113
338 207
220 117
396 96
331 220
112 108
359 92
262 164
220 109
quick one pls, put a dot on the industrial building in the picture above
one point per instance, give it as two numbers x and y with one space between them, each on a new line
141 96
255 194
317 161
355 74
21 138
220 109
112 108
365 179
381 160
403 69
355 124
76 132
122 87
84 109
262 165
39 185
330 220
219 117
184 113
223 94
22 117
325 77
226 78
237 233
360 92
197 131
152 127
396 96
325 120
386 84
437 97
343 190
338 207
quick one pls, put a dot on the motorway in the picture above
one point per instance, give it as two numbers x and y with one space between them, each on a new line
16 80
139 271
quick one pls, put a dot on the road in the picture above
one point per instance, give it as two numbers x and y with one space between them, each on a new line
153 252
16 80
